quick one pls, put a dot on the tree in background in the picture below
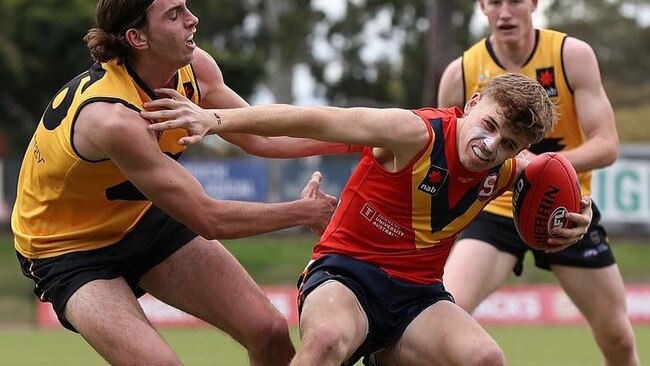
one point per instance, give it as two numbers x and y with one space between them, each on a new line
40 50
615 30
379 52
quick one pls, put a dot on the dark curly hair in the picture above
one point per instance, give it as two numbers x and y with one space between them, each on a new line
114 17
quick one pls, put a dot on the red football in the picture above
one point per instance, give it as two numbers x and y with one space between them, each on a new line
547 189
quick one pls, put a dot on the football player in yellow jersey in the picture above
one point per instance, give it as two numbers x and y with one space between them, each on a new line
490 248
104 212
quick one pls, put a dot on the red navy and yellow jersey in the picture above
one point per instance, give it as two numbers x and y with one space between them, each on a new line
545 65
66 203
405 222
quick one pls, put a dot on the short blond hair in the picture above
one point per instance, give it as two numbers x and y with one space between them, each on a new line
524 103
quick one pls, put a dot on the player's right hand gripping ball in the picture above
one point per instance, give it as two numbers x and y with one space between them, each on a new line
547 189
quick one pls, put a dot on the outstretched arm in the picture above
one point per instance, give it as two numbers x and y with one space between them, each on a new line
118 133
398 130
216 94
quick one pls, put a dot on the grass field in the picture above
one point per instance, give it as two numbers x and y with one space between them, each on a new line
524 346
277 260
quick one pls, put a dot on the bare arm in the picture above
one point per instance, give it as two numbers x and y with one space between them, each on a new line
216 94
399 131
593 107
450 91
124 138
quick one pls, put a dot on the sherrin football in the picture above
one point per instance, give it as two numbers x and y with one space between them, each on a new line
546 191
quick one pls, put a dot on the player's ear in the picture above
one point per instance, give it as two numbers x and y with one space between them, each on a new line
136 38
472 102
534 4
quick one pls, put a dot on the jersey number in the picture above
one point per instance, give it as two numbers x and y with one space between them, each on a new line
58 108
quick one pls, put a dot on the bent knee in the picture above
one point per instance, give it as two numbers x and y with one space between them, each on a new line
272 330
622 342
325 344
489 356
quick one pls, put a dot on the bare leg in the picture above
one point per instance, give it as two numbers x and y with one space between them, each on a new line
108 316
443 334
474 270
332 326
205 280
600 295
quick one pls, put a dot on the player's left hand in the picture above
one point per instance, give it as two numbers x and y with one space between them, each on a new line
312 191
569 236
176 111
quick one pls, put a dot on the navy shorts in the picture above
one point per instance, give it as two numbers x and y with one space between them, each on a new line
390 304
156 237
592 251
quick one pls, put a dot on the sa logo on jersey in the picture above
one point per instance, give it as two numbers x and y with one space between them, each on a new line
435 178
488 187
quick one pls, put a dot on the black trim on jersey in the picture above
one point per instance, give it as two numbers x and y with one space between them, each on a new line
566 79
96 72
127 191
196 83
85 103
441 214
548 144
490 50
144 85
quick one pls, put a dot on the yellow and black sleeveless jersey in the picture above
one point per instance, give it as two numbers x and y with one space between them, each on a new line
66 203
546 66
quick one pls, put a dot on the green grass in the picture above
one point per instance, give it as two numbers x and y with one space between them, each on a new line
529 346
277 259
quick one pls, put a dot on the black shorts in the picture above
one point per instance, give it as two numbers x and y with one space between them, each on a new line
592 251
156 237
389 304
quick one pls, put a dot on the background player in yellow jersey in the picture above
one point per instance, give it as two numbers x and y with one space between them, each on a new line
586 134
104 212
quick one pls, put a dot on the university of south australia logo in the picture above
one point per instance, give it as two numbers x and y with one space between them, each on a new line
546 77
433 181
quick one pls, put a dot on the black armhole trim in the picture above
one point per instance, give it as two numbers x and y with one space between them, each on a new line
196 83
566 79
85 103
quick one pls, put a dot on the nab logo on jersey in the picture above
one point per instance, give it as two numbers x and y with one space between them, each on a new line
488 187
435 178
546 77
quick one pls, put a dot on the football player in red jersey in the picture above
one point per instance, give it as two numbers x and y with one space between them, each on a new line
490 248
373 287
